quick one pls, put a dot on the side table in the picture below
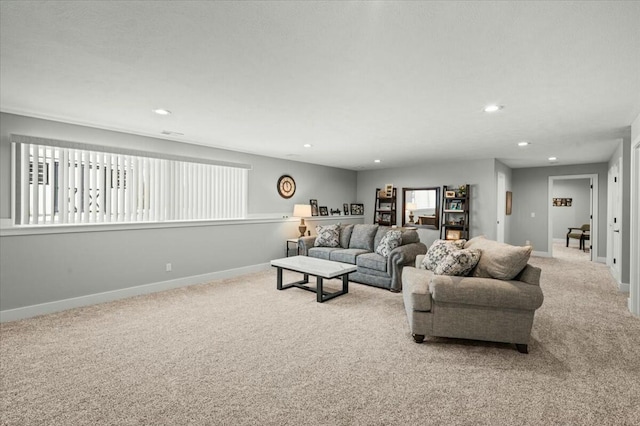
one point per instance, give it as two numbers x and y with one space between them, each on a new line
294 241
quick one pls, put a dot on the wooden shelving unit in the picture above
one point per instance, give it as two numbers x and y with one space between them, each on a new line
385 211
455 212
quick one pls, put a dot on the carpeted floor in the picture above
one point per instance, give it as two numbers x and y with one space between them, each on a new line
239 352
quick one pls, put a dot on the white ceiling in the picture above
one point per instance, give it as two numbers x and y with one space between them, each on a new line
403 82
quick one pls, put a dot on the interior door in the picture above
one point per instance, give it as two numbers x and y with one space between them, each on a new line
502 194
614 221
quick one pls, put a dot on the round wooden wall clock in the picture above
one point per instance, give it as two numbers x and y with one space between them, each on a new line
286 186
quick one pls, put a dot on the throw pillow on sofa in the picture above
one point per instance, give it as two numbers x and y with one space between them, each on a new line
458 262
328 236
390 241
499 260
439 250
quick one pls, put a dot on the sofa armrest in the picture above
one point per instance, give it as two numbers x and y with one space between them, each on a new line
418 262
401 256
304 244
488 292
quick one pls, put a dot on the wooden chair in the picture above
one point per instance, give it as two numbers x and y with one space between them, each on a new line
581 234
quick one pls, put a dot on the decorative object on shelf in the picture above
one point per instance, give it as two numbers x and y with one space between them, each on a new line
336 211
454 234
302 211
357 209
345 207
562 202
385 208
286 186
314 207
324 211
508 207
411 207
455 213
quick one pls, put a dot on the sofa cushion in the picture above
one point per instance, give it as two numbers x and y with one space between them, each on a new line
390 241
322 252
346 255
499 260
362 237
328 236
458 262
345 235
439 250
372 261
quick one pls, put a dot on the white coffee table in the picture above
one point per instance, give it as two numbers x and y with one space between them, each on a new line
320 268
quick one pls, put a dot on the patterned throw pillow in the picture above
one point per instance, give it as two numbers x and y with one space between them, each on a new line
391 240
439 250
458 262
328 236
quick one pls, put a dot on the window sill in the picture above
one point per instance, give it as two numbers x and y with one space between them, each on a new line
6 230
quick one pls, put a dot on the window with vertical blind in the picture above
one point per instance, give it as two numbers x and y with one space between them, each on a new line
60 182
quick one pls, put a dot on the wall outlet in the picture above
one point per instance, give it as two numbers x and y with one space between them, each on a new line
527 243
533 214
168 268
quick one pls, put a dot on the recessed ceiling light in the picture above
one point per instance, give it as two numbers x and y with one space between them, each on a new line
492 108
307 145
523 143
376 161
552 158
161 111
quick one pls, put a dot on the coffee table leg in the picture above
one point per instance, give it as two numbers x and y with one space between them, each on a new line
319 291
279 281
345 283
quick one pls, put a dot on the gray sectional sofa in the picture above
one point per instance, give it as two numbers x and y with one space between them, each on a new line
357 245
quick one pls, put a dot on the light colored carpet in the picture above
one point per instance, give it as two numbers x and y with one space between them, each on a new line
239 352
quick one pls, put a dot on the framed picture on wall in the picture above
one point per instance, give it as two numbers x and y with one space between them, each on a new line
314 207
357 209
324 211
345 208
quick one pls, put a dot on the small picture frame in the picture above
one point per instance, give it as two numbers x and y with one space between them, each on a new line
314 207
455 205
324 211
345 208
453 234
357 209
449 194
388 188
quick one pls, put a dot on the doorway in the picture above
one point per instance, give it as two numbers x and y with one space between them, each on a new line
584 197
634 284
502 200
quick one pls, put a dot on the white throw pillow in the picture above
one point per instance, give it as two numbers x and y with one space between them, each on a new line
328 236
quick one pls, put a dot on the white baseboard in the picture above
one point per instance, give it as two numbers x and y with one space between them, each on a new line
601 259
623 287
109 296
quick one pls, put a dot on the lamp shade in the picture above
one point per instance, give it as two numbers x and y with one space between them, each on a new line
412 206
301 210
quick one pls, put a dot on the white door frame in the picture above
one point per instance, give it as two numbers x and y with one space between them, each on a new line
634 264
501 207
594 212
614 212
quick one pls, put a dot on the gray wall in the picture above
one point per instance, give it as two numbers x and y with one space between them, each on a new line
531 195
83 263
578 213
480 174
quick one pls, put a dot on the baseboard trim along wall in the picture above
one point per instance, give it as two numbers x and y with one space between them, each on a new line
109 296
623 287
540 253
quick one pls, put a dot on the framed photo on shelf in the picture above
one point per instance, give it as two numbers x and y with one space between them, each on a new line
388 189
455 205
449 194
324 211
314 207
357 209
453 234
345 208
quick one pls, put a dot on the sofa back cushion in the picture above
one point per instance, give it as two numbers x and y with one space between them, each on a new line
410 236
362 237
345 235
499 260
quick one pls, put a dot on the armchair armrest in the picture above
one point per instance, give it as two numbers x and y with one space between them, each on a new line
401 256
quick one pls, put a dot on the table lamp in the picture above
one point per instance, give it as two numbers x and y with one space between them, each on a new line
302 211
411 207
